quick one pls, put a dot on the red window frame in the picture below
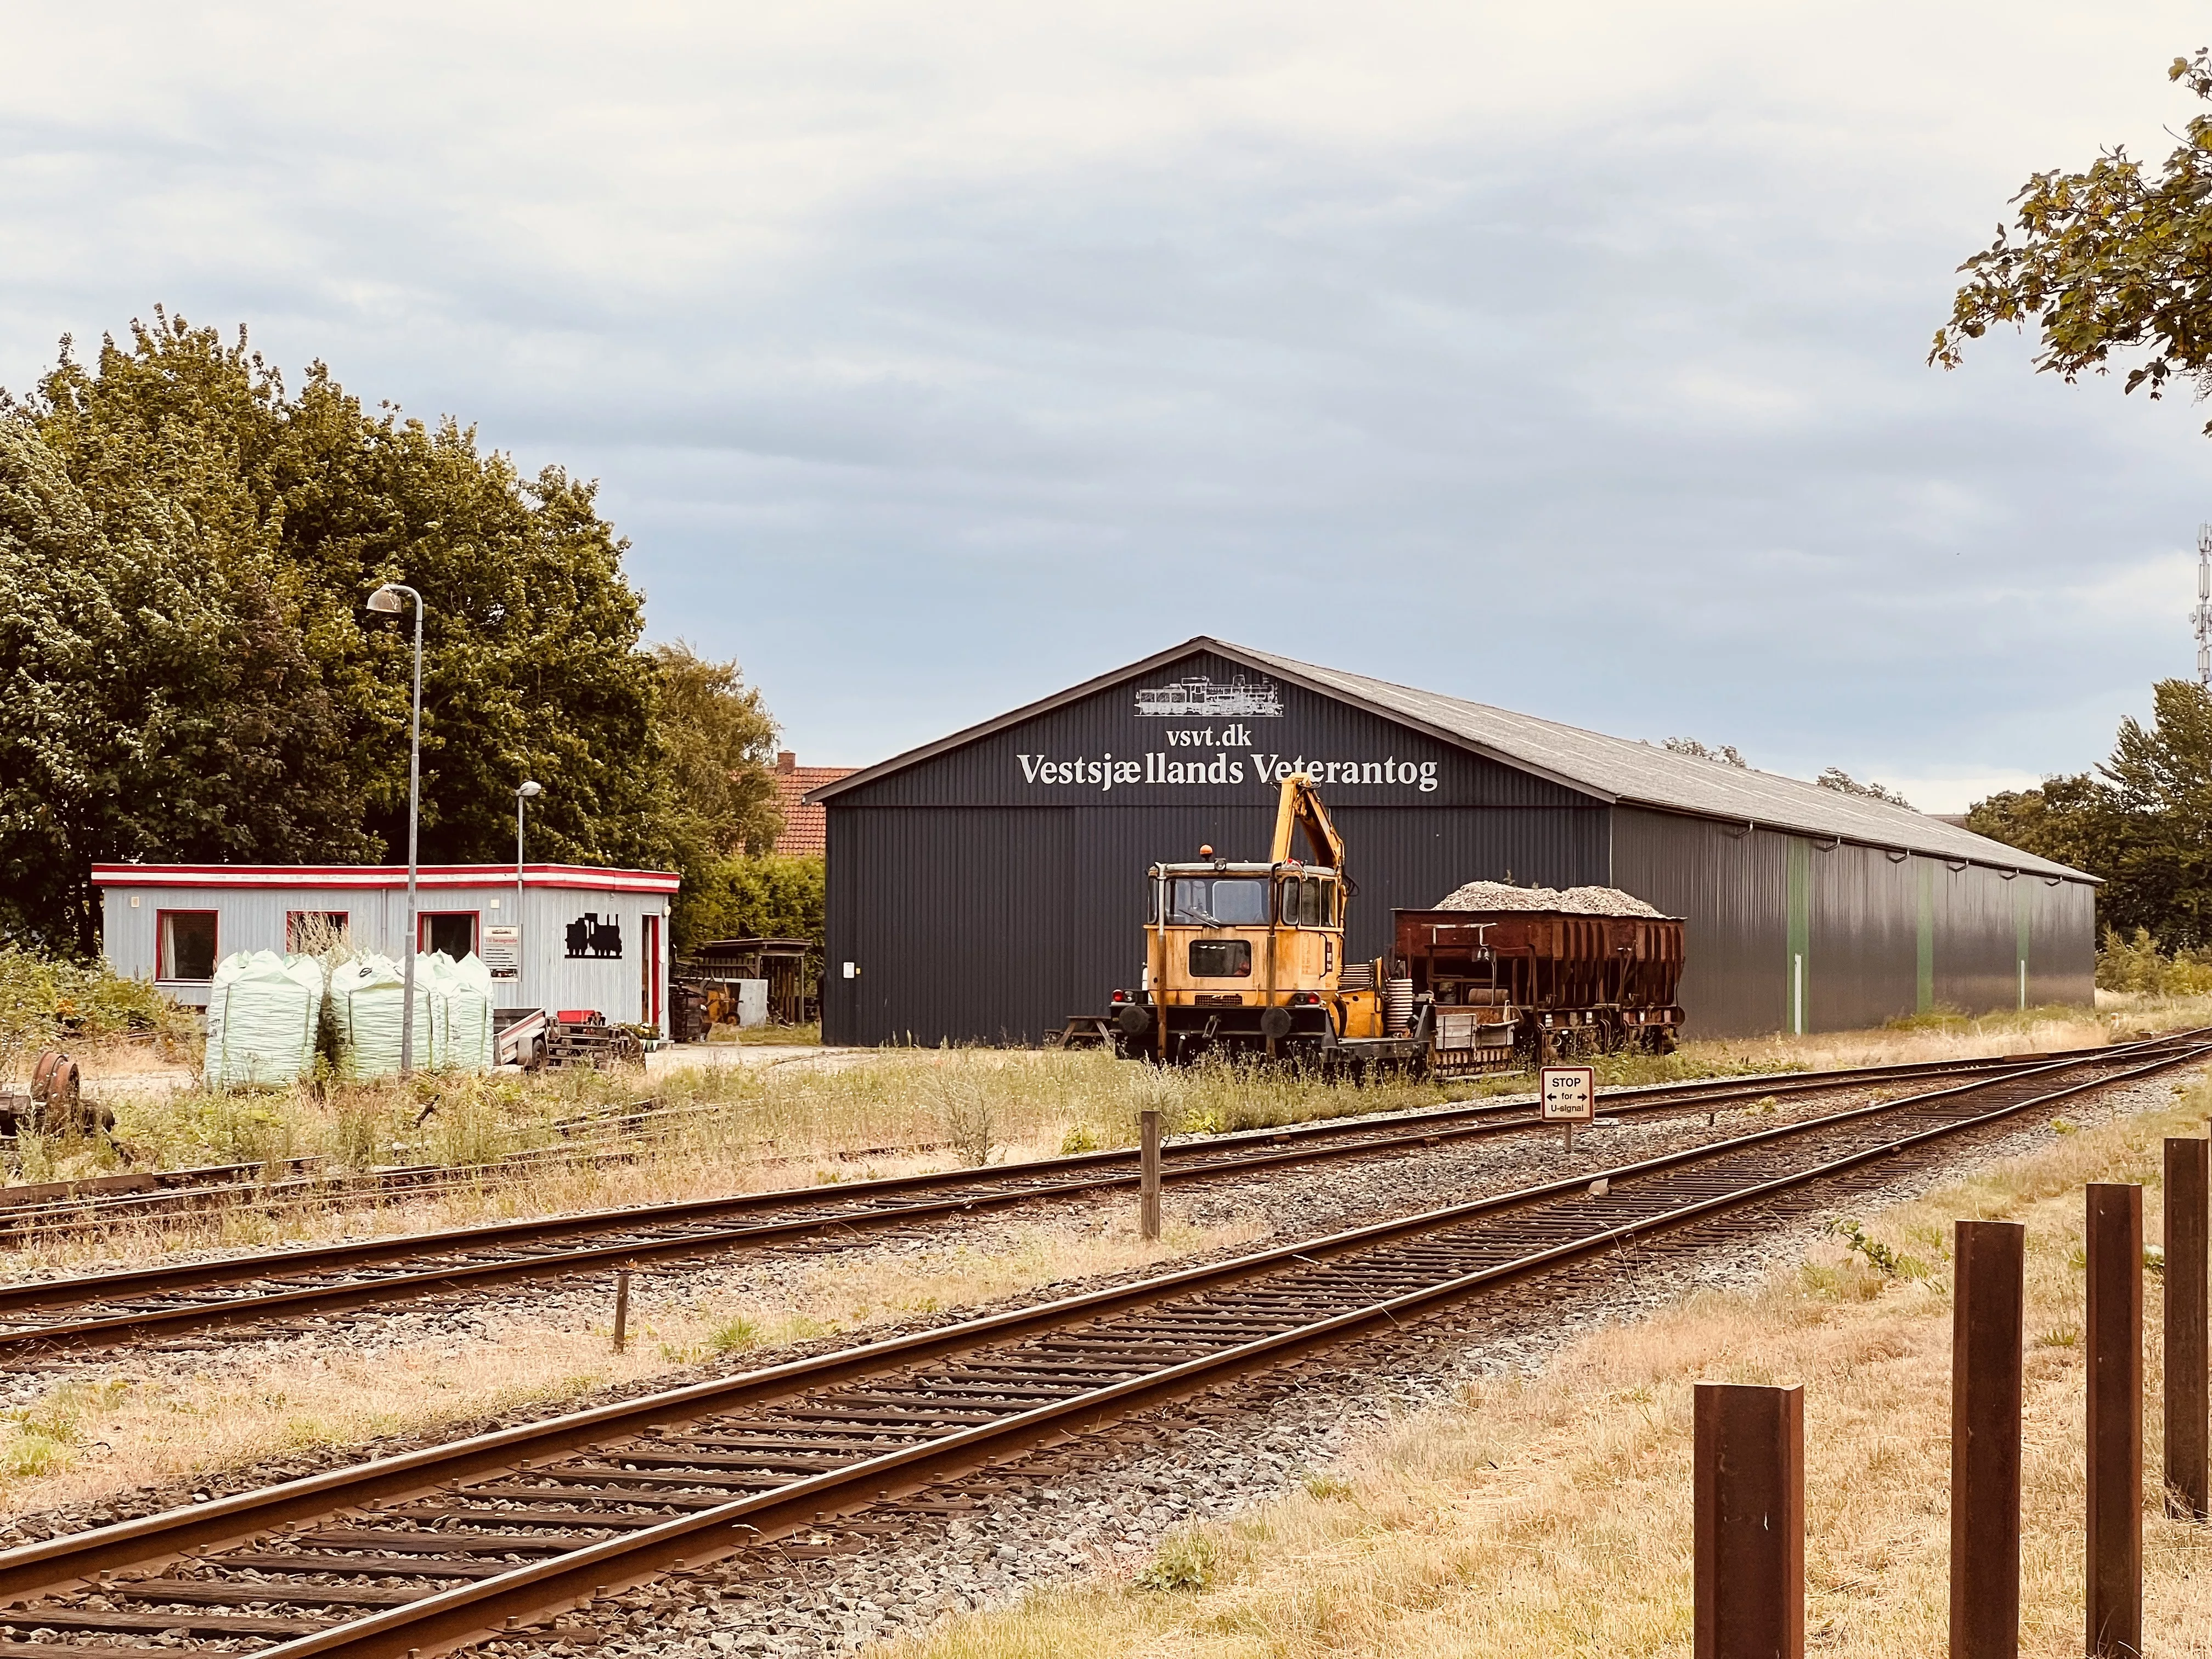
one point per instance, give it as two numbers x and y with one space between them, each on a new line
422 928
162 944
292 923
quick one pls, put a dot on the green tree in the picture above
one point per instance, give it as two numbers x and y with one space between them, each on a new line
2117 258
190 545
160 701
777 896
1727 754
719 745
2067 818
531 665
1844 783
2140 822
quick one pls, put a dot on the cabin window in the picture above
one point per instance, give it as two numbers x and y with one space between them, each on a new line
1221 958
1219 902
185 945
453 931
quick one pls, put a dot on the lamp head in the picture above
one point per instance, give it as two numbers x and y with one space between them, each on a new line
385 601
531 789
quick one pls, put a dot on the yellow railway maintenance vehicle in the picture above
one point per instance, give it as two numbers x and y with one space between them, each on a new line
1248 959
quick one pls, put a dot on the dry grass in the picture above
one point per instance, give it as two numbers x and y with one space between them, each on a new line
740 1129
93 1436
1551 1515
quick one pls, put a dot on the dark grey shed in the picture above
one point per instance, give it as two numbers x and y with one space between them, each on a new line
986 886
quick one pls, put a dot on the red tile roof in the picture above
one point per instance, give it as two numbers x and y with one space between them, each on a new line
805 828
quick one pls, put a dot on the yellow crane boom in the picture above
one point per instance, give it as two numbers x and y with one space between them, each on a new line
1300 808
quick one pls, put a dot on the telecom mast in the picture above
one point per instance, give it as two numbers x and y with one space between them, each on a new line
2202 616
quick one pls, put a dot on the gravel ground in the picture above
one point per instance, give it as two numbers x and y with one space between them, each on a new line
1205 1460
1057 1519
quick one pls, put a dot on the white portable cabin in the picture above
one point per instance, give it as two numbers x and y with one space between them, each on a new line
563 937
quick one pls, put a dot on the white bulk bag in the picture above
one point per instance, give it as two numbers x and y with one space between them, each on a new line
465 1022
460 1011
262 1012
366 994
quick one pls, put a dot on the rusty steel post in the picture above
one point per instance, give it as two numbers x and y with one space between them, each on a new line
2115 1419
2188 1178
621 1308
1148 1184
1750 1477
1988 1302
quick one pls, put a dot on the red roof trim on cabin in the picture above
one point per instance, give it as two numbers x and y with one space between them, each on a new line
572 876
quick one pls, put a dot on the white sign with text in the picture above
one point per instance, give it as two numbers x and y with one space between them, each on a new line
1570 1094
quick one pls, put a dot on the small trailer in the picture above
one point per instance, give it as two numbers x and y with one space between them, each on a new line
533 1039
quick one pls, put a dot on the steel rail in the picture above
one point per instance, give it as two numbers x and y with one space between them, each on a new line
854 1206
438 1620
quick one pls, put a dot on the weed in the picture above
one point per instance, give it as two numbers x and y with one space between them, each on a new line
1879 1256
46 1434
2059 1336
1080 1139
734 1334
1327 1486
967 1112
1187 1560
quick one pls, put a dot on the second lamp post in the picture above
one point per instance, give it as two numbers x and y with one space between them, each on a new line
385 602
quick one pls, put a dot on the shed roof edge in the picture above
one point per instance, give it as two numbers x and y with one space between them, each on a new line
1265 664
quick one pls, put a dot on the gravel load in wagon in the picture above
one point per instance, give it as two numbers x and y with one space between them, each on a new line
1569 901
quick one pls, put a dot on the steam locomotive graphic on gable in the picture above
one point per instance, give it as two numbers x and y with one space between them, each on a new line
1200 698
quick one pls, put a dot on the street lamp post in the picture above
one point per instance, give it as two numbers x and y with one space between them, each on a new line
385 602
528 791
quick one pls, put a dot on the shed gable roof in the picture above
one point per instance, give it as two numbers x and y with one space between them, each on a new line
1608 768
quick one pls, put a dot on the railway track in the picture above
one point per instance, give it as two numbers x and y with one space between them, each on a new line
54 1209
423 1552
274 1285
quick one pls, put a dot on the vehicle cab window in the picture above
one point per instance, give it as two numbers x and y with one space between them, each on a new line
1218 902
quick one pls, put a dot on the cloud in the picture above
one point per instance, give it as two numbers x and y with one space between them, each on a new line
1570 357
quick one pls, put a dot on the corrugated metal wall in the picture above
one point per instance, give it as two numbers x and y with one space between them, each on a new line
994 924
987 893
1731 887
1873 933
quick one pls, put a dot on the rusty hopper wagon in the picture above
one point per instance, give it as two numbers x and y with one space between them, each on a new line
1542 984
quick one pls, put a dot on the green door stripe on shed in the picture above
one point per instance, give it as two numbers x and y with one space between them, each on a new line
1924 998
1797 965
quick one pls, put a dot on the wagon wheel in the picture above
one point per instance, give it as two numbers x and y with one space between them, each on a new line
54 1080
56 1106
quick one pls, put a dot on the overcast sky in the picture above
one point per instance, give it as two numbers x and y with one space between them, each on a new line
1568 357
